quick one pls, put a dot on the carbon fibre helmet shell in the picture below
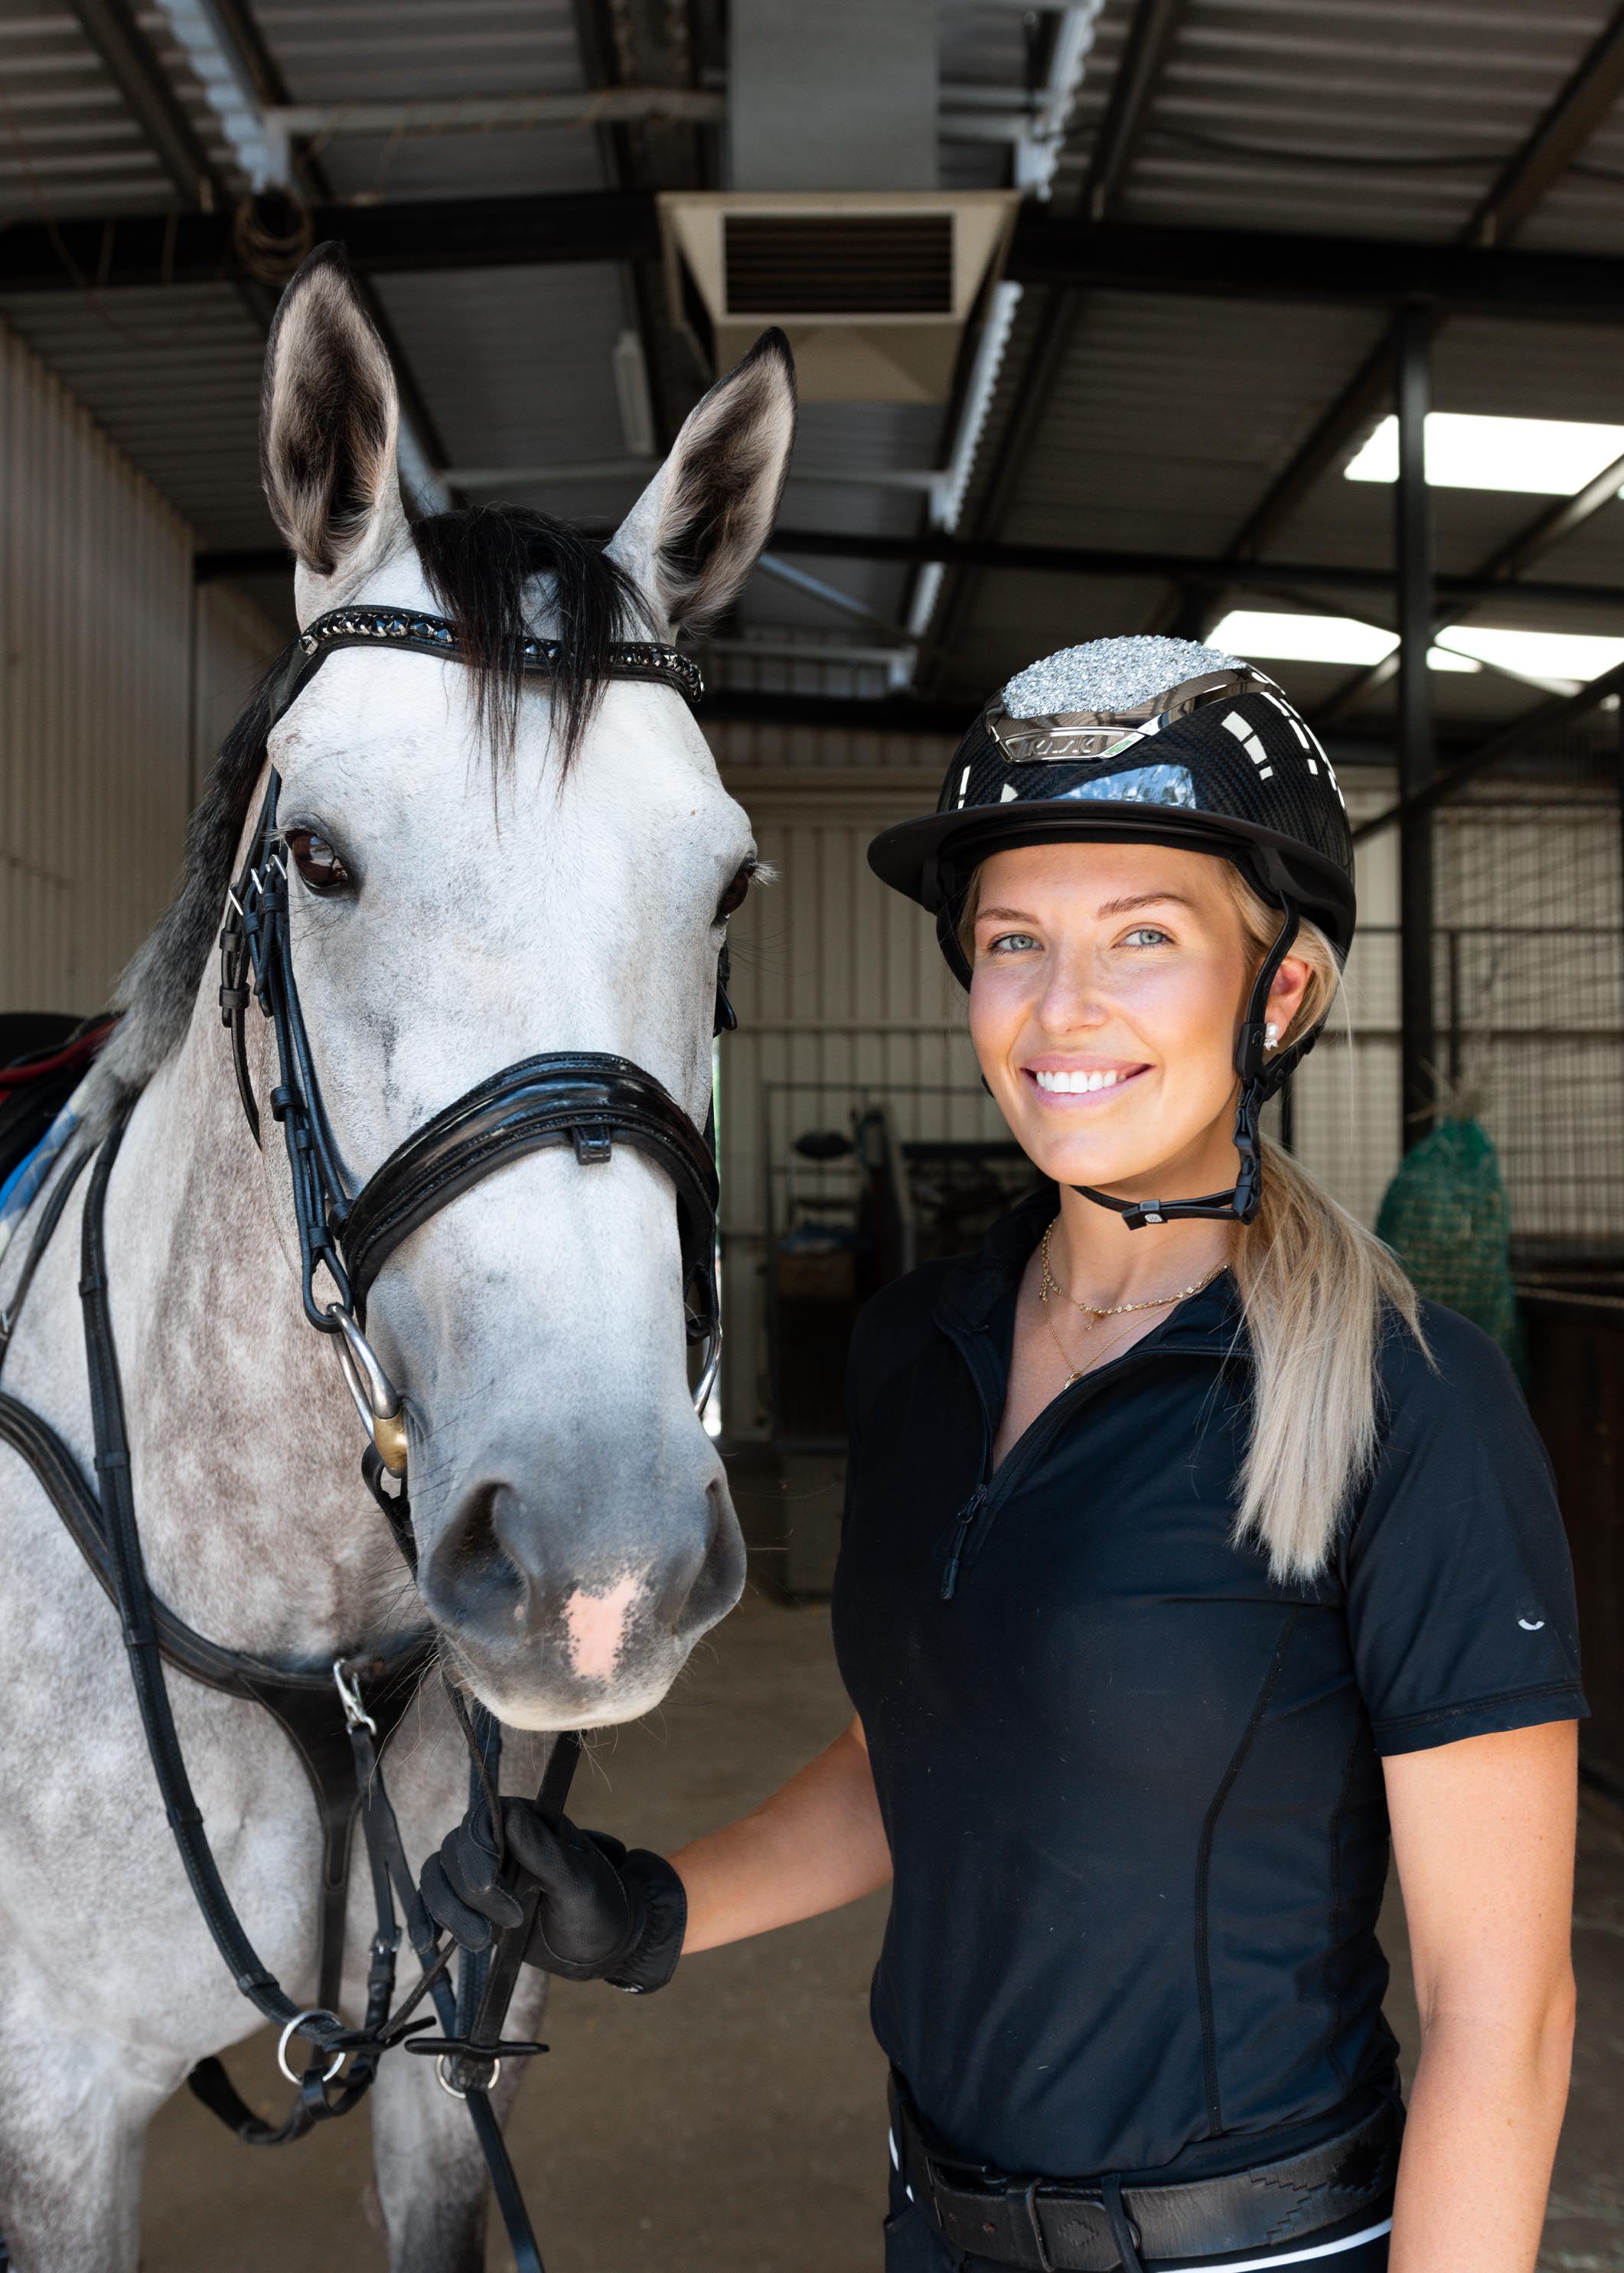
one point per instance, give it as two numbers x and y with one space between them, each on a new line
1218 761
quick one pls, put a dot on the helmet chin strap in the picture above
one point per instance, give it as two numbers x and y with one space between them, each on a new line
1260 1077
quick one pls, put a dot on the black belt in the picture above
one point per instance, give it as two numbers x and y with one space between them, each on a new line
1093 2226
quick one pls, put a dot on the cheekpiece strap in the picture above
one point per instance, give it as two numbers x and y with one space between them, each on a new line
421 634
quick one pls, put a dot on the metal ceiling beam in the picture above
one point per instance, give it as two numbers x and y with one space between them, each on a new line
1287 266
111 28
1072 561
539 231
1144 58
1584 104
503 232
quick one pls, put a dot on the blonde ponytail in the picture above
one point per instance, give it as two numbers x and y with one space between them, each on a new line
1318 1291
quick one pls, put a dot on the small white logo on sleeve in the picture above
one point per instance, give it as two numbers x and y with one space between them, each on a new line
1530 1625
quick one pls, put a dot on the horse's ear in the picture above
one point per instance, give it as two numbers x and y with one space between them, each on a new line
699 528
329 416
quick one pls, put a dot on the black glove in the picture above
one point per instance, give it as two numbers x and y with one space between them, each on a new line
603 1914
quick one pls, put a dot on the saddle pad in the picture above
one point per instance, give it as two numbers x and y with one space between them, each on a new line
43 1060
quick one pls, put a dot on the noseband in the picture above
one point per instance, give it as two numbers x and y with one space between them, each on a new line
585 1099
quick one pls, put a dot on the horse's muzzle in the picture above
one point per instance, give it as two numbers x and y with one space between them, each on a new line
574 1600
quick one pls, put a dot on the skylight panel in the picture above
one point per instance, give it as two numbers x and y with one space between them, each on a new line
1552 457
1255 632
1570 656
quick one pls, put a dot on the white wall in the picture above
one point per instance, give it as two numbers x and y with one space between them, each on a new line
108 680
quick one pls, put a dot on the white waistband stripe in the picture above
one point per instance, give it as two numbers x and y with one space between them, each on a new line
1292 2256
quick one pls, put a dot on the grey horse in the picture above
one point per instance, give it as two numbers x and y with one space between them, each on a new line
528 874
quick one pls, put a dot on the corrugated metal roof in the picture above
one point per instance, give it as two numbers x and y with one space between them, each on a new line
1169 418
1362 91
408 50
69 143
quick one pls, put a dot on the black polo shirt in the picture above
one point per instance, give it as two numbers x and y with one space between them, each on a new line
1132 1785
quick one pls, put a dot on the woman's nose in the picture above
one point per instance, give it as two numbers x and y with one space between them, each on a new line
1072 1001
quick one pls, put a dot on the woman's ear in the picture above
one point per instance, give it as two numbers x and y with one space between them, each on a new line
698 529
329 422
1286 994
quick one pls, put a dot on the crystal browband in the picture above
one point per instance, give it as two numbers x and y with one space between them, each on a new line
407 627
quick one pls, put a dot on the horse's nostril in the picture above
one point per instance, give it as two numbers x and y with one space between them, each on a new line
714 1584
470 1565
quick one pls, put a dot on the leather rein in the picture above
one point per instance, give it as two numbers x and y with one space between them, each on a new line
340 1718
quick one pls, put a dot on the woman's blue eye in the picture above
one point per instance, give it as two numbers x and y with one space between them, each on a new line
1013 939
1148 935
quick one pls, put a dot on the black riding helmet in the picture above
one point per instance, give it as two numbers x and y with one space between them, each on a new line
1159 741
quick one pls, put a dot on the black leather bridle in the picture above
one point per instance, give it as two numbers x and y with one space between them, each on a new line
583 1098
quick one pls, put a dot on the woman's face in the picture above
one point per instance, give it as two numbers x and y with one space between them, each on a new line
1108 982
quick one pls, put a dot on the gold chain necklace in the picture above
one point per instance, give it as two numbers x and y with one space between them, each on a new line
1095 1311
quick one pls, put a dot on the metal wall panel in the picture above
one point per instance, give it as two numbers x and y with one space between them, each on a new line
843 999
96 693
234 642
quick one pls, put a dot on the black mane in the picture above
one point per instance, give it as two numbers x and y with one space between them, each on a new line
481 562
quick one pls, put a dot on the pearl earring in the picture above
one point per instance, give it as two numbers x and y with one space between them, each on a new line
1271 1035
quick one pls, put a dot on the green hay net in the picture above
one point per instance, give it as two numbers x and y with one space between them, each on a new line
1447 1218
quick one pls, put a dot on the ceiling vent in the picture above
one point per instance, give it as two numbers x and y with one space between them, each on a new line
873 289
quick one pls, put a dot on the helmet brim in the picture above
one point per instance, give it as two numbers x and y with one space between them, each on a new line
925 859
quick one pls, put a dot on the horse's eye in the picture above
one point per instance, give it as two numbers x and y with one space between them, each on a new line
732 899
316 860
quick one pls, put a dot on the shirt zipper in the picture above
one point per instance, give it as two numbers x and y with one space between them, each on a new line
993 1491
962 1529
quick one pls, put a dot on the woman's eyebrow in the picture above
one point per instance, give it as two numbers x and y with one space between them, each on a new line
1126 907
1005 915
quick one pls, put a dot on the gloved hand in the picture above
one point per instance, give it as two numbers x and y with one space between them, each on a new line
603 1914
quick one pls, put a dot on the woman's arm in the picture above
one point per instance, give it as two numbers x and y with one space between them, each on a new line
817 1843
1482 1835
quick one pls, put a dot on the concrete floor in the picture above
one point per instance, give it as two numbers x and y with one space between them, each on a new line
735 2123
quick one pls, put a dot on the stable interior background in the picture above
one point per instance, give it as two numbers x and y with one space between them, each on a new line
1126 299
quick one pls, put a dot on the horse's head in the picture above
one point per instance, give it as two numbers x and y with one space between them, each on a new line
484 872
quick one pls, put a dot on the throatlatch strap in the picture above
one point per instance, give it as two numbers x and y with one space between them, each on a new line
1260 1077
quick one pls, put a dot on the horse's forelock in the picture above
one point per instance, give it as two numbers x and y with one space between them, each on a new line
483 563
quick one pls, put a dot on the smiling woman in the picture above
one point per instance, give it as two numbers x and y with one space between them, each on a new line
1179 1574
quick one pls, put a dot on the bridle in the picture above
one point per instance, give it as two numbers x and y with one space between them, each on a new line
339 1716
583 1098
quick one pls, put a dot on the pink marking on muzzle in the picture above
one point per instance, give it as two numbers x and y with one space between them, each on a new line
597 1625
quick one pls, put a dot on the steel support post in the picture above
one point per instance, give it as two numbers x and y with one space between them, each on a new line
1413 561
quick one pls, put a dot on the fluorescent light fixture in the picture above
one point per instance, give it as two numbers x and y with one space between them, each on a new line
1255 632
1581 656
1555 457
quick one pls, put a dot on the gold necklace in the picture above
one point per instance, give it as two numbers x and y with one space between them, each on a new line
1095 1311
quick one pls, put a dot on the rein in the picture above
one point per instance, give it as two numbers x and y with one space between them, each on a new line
341 1718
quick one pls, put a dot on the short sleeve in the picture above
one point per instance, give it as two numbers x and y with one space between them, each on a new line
1460 1592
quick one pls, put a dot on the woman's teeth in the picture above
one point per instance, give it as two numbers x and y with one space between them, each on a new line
1073 1084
